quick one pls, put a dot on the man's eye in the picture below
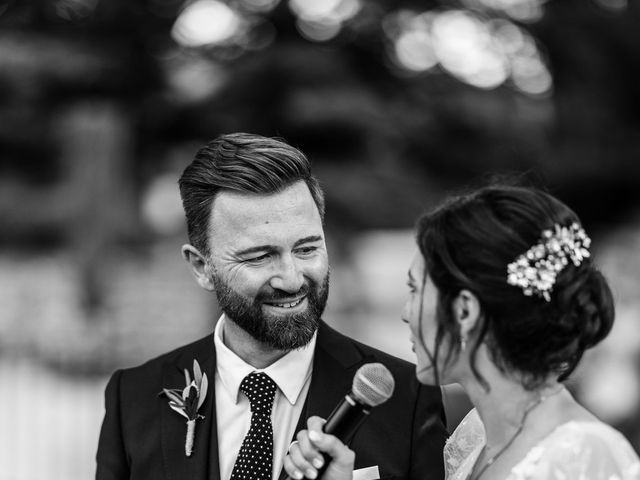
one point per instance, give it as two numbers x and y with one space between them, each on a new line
306 250
258 259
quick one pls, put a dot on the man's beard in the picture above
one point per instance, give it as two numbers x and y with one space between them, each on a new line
281 332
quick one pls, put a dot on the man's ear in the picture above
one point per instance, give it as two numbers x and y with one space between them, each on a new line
467 312
198 265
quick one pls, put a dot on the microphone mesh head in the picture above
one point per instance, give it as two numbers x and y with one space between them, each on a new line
373 384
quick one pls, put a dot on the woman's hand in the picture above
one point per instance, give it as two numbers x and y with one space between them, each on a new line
305 454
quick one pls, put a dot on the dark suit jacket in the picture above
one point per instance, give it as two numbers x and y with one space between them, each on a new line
143 439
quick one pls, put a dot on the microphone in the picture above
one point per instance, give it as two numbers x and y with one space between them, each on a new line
372 385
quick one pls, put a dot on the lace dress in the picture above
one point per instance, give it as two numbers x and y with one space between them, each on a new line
585 450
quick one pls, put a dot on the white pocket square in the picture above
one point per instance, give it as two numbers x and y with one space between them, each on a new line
368 473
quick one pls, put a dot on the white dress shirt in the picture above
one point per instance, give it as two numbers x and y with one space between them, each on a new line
292 375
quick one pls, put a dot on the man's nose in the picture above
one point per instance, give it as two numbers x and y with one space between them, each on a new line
289 276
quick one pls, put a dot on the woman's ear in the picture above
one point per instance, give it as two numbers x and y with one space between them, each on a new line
467 312
198 265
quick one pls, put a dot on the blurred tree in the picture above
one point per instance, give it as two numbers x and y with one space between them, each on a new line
594 143
390 127
397 102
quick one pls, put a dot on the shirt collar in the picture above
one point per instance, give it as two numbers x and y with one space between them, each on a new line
290 372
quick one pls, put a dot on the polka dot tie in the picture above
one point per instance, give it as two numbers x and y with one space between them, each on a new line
255 459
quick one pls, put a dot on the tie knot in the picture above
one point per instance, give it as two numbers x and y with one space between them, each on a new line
260 390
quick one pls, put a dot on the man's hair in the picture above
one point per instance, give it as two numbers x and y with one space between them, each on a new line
240 162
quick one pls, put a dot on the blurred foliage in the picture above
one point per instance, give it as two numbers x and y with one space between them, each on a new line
100 104
386 142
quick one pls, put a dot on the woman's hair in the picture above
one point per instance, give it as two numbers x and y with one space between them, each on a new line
468 242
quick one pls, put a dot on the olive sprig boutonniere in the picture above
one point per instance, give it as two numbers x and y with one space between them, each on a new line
188 401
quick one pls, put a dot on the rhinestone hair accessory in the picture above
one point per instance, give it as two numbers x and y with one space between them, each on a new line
536 270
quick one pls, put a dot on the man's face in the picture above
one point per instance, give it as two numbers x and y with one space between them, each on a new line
269 264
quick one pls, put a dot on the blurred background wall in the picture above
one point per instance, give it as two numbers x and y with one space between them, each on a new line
397 103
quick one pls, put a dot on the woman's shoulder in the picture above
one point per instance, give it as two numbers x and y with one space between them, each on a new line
465 441
587 435
468 434
581 449
471 423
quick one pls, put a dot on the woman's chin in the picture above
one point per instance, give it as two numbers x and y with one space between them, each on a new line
425 375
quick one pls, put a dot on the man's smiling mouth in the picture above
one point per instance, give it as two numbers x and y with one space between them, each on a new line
291 304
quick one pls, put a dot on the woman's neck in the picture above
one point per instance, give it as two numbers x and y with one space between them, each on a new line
505 405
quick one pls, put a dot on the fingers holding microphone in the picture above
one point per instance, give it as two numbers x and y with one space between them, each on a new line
372 385
305 458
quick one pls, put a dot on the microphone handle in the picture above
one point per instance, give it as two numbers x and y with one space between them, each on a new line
346 418
343 423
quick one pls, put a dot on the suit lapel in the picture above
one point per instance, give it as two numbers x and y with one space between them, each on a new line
203 463
335 362
330 381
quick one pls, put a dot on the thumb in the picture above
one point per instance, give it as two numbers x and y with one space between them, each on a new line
343 457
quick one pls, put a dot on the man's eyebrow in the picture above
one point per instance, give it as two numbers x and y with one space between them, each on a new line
309 239
256 249
273 248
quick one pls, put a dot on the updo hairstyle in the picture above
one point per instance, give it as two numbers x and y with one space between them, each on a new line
468 242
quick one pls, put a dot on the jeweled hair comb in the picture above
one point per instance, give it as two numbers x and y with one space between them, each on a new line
536 270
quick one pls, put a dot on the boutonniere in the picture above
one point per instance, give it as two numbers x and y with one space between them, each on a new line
188 401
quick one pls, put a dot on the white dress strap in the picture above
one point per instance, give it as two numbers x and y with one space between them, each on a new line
463 447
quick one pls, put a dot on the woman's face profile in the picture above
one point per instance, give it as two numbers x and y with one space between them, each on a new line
419 313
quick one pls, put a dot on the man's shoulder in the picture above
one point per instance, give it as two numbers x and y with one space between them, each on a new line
180 356
398 366
384 357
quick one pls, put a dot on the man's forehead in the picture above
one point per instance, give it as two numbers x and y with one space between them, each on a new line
294 196
263 216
